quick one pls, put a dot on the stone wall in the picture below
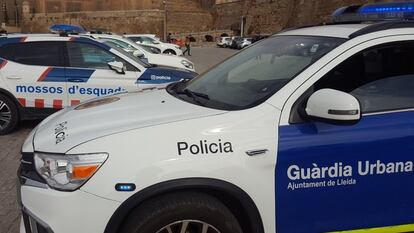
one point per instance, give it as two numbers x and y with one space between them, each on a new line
182 16
189 16
9 16
142 21
270 16
228 15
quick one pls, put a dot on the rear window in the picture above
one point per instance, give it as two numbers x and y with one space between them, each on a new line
34 53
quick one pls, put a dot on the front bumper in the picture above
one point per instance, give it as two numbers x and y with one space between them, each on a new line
64 212
31 224
45 210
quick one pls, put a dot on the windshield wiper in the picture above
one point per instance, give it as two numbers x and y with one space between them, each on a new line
198 94
193 95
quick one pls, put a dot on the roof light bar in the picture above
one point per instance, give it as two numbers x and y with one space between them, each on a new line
59 28
388 7
375 12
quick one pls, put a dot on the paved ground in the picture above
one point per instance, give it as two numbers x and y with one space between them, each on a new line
10 145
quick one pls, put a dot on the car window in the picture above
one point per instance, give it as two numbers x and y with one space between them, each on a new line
121 43
151 49
85 55
253 75
34 53
134 38
381 78
147 40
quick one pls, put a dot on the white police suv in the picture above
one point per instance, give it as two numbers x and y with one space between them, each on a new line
40 74
310 130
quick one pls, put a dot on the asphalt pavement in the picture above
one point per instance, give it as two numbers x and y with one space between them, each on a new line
203 58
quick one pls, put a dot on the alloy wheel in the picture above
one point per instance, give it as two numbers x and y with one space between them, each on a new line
5 115
188 226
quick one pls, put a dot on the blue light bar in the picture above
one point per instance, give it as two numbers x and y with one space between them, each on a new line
67 28
388 7
375 12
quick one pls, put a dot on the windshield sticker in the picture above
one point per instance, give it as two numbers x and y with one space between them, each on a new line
314 48
204 147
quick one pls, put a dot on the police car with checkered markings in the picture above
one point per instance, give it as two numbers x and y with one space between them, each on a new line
40 74
310 130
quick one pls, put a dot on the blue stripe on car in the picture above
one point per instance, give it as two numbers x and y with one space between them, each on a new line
14 40
342 202
160 75
60 74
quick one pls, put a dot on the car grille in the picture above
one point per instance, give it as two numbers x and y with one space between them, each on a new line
33 226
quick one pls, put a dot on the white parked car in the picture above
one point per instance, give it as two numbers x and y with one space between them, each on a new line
224 42
310 130
146 54
244 43
165 47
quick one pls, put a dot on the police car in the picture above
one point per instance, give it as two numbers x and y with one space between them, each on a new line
40 74
310 130
146 54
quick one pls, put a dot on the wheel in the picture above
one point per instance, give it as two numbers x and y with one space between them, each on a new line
184 212
169 51
9 115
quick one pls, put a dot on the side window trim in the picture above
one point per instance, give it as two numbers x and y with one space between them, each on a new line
388 112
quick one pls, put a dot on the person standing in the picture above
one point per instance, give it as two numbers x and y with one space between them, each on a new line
187 46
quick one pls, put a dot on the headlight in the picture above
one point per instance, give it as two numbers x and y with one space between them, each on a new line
68 172
187 64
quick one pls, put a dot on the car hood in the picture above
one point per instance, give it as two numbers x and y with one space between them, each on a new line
168 60
118 113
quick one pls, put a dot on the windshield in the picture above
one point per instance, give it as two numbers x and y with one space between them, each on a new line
148 49
114 46
123 44
253 75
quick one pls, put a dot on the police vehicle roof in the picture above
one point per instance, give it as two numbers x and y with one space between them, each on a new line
356 20
338 30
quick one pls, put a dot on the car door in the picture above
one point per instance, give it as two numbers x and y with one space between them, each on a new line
338 177
89 75
34 73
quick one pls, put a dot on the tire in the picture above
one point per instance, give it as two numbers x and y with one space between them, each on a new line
174 211
169 51
9 115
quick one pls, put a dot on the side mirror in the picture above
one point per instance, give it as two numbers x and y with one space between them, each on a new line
117 67
333 106
138 53
155 42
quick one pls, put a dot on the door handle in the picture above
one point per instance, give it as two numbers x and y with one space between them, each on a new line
256 152
76 80
13 77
